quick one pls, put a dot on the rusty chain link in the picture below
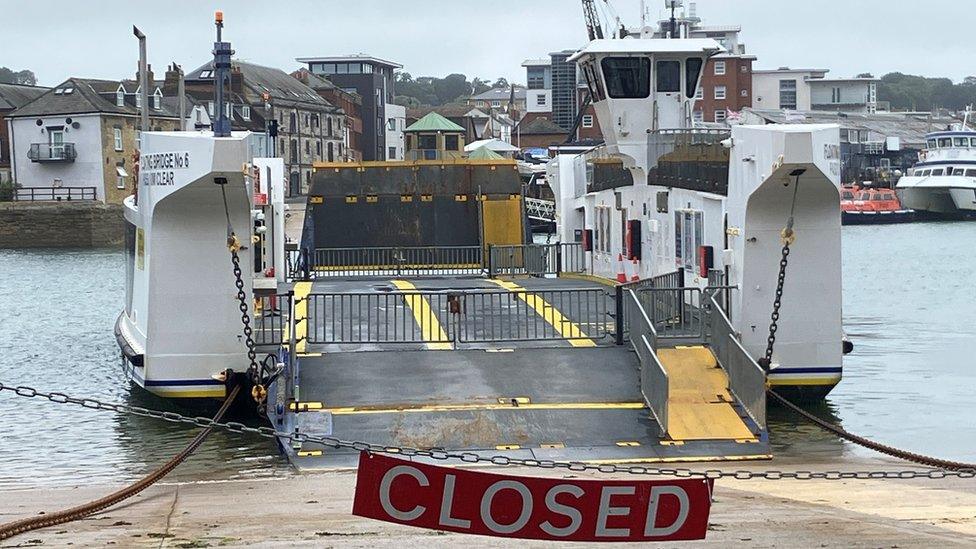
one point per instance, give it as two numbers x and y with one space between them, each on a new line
472 457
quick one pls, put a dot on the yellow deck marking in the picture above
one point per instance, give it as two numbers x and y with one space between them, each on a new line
310 453
550 314
518 400
698 398
304 406
628 443
552 445
302 289
430 326
507 447
426 408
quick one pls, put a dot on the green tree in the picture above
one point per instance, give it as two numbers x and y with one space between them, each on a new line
8 76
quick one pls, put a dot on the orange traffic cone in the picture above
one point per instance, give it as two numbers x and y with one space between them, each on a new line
621 273
636 276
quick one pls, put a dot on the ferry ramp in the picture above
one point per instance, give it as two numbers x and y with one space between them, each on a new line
527 366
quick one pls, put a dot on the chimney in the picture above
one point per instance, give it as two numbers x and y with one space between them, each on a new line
237 81
172 80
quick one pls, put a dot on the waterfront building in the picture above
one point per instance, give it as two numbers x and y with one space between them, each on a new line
372 79
84 133
810 90
556 93
351 104
308 125
477 123
434 137
12 96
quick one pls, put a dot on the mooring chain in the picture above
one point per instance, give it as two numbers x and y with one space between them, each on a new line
767 360
472 457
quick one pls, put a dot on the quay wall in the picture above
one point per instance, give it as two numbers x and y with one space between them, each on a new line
62 224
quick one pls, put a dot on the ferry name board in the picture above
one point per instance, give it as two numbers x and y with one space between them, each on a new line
160 168
557 509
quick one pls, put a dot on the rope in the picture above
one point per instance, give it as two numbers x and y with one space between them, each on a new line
76 513
876 446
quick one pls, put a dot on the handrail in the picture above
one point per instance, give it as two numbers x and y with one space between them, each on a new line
747 380
654 382
37 194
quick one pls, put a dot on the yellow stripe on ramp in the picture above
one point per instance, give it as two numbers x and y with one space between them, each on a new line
480 407
568 329
302 289
430 326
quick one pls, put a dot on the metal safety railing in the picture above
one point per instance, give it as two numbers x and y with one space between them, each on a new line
272 315
747 380
536 259
379 317
480 316
675 313
391 261
524 315
37 194
654 383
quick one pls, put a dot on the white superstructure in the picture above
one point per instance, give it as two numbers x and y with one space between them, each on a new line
181 326
943 183
643 92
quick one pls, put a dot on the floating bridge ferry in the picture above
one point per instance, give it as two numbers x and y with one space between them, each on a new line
942 185
416 312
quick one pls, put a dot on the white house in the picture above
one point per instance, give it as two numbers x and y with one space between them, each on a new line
784 88
396 122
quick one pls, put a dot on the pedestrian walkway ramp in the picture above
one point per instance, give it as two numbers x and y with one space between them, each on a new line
700 406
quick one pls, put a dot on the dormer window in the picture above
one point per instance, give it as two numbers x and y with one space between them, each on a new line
138 99
246 112
158 99
120 97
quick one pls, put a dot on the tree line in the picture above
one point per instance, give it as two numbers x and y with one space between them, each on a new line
430 91
9 76
910 92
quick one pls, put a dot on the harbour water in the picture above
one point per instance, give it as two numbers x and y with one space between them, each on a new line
907 306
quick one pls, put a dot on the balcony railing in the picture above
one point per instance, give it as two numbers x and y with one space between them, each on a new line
48 152
37 194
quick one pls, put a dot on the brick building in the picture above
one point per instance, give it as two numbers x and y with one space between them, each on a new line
309 127
350 102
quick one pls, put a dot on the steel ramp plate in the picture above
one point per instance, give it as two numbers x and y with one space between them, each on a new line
699 403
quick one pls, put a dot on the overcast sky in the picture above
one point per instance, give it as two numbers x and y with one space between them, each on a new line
93 38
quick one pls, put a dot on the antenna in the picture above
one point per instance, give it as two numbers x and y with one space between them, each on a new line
673 5
222 54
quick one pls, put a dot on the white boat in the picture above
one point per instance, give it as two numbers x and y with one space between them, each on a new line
942 184
709 204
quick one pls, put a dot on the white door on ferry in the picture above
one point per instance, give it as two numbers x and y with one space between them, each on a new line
667 94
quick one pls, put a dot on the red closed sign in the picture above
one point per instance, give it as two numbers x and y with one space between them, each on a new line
472 502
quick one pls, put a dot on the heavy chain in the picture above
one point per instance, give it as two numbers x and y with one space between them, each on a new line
252 355
472 457
767 360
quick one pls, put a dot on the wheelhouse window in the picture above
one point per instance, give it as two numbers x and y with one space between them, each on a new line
945 142
970 173
958 171
972 141
627 77
668 76
932 143
939 171
847 195
960 141
693 67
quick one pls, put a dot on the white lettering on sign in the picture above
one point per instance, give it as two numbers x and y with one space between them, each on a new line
387 481
606 510
159 168
651 528
831 152
575 517
523 518
447 502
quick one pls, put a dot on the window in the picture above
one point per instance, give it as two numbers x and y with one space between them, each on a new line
308 148
119 181
960 141
328 126
970 173
847 195
540 100
787 94
392 152
693 67
627 77
138 100
972 142
318 149
587 121
158 100
668 76
427 142
294 151
699 93
117 134
719 68
688 232
451 143
120 97
932 143
699 116
958 171
246 112
537 81
939 171
331 153
206 74
719 92
720 116
292 122
496 103
229 110
391 124
945 142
